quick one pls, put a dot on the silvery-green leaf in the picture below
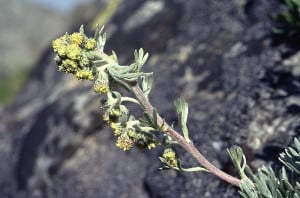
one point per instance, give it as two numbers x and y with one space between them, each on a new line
98 32
291 157
182 112
140 58
81 29
154 117
114 55
147 83
239 160
101 41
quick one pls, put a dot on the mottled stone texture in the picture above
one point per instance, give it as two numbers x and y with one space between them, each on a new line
242 87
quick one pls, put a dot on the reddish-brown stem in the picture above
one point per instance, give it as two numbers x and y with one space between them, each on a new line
188 146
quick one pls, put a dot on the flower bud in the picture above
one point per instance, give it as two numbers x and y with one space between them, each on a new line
101 84
170 157
90 44
69 66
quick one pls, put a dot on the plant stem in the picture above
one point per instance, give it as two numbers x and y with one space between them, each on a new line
188 146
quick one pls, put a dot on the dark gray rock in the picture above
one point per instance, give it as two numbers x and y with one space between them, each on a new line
242 90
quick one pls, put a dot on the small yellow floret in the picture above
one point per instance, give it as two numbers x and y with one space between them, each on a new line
69 66
106 118
115 112
101 84
84 75
74 52
98 88
76 38
116 127
90 44
62 51
59 46
56 44
101 87
151 145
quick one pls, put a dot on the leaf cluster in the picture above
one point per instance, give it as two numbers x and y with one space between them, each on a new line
268 183
287 23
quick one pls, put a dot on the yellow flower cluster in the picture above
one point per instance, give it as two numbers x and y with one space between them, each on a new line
71 54
100 88
77 38
59 46
129 136
125 132
170 157
90 44
117 128
152 145
74 52
70 66
106 118
111 118
126 137
101 84
124 143
143 141
84 74
115 112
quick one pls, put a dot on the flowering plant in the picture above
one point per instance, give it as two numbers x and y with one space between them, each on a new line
85 58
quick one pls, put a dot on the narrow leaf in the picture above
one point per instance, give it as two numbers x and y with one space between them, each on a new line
194 169
182 112
147 83
81 29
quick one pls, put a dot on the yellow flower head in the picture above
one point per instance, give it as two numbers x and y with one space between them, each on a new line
76 38
101 84
124 143
100 88
56 44
115 112
60 46
170 157
116 127
151 145
106 118
69 66
84 75
74 52
62 50
90 44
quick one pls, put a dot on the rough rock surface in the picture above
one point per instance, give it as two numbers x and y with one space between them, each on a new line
241 86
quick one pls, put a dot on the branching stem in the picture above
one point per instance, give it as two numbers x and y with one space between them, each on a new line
188 146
